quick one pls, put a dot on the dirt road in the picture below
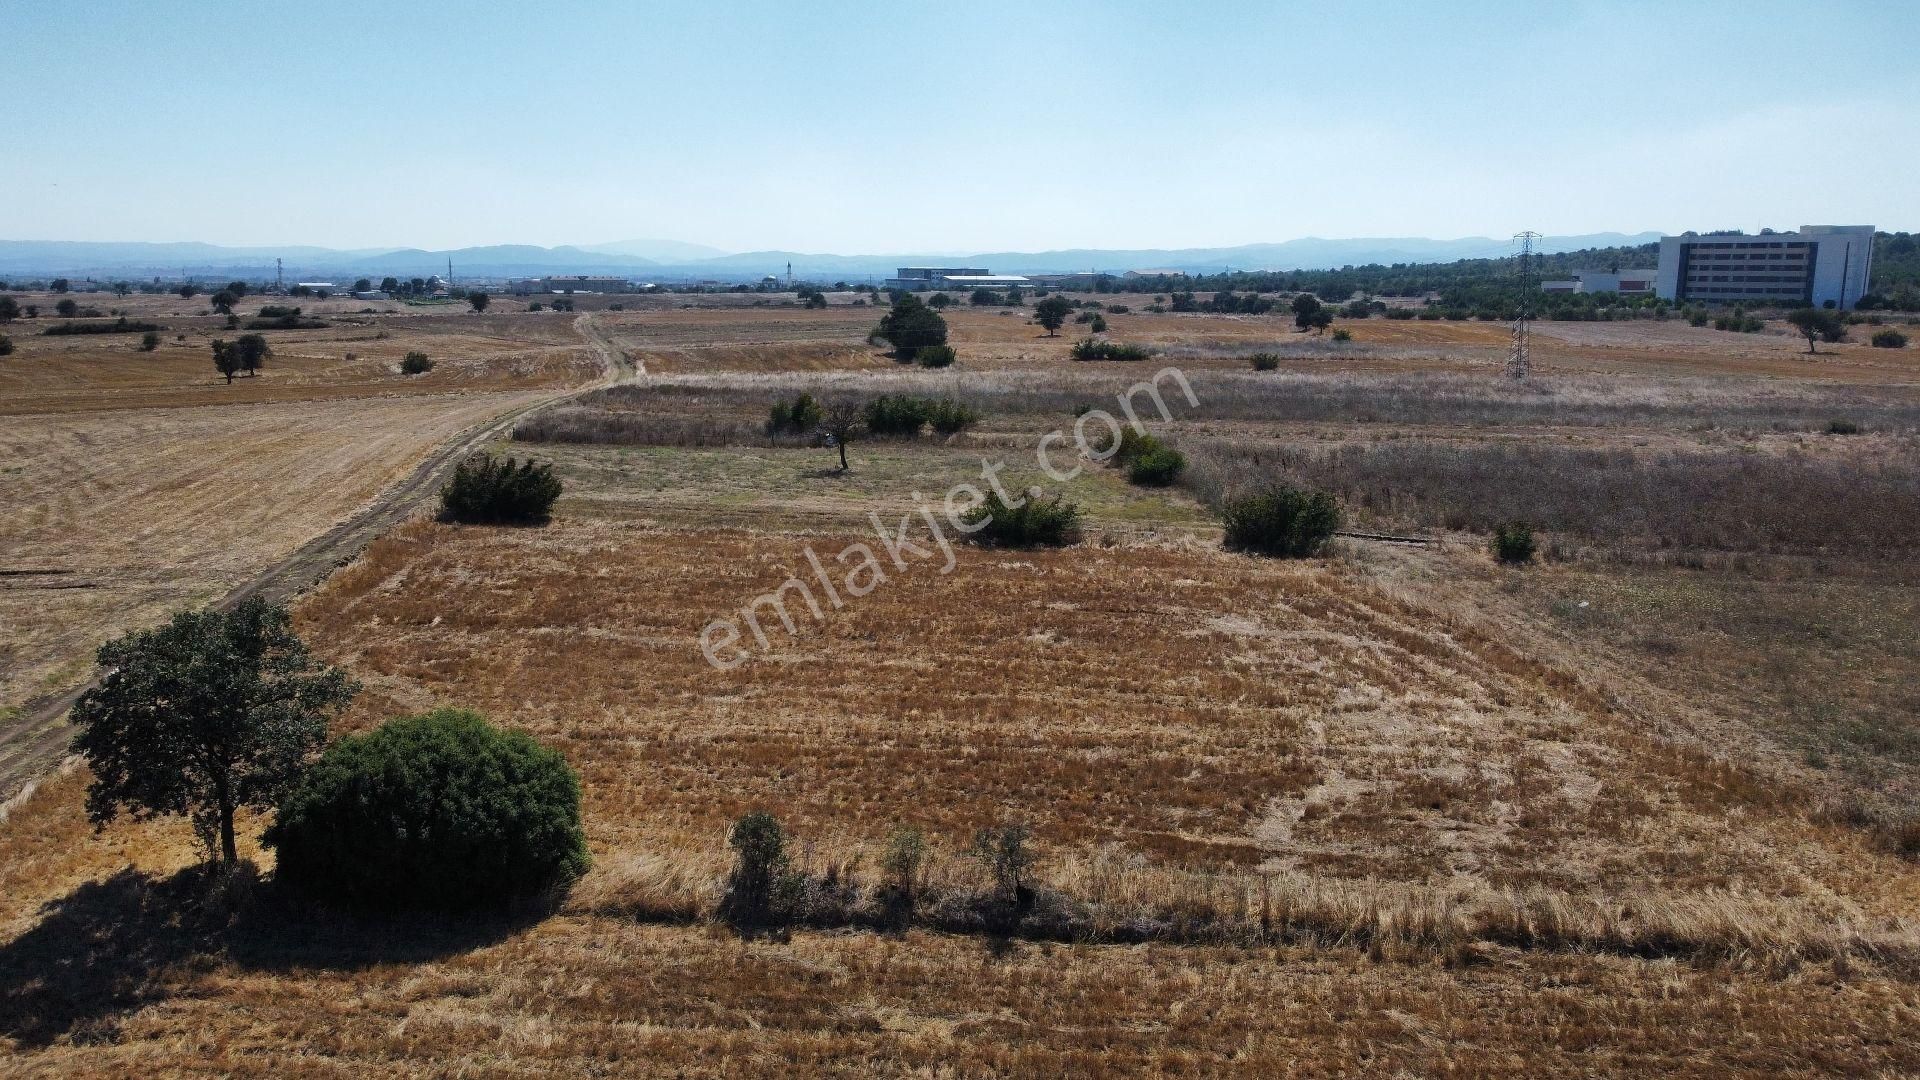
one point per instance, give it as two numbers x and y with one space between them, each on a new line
35 739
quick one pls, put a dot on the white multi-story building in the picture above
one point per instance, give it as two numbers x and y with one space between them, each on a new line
1821 266
1624 282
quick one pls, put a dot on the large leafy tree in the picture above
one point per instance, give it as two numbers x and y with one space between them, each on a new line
1052 313
1818 324
210 713
910 325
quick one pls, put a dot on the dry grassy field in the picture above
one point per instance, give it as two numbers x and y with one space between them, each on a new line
1644 806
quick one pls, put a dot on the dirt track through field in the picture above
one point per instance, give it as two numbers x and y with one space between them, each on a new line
36 738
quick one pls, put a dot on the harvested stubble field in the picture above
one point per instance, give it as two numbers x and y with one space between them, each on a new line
1399 810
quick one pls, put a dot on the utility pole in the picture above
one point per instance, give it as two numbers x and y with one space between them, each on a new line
279 284
1519 353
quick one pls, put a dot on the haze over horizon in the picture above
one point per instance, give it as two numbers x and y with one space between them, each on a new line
855 128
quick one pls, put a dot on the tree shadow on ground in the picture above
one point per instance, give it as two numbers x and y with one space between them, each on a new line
111 947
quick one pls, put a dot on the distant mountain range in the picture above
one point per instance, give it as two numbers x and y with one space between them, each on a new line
672 261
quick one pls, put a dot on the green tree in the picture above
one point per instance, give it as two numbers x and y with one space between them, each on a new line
187 290
225 360
149 341
9 309
252 352
983 298
362 285
911 324
210 713
479 300
61 285
1818 324
389 285
121 288
67 308
1052 313
237 288
224 300
760 869
939 301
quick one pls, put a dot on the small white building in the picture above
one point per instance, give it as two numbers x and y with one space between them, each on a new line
1624 282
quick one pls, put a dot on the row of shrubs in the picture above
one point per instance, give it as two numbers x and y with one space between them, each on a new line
122 325
1101 349
902 415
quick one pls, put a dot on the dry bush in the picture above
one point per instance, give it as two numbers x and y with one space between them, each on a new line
1719 500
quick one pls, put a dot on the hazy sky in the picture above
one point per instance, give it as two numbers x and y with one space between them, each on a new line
920 127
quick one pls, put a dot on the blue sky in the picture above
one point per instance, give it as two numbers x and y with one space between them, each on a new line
906 127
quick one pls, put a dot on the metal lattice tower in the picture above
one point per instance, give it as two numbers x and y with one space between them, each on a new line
1520 353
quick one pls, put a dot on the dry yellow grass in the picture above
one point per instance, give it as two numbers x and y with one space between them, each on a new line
1385 818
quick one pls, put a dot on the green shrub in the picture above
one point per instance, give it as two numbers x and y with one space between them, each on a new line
934 356
801 415
1513 543
1101 349
277 311
949 417
441 811
1265 361
416 363
1343 335
1036 522
488 490
759 885
1889 339
6 345
1842 427
1283 521
1099 325
149 341
1117 309
1157 468
896 414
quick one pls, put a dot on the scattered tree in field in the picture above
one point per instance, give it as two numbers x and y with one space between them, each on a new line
9 309
1052 313
1007 853
6 345
489 490
67 308
225 360
1818 324
224 300
799 417
910 325
121 288
362 285
906 853
237 288
1015 297
416 363
939 301
1305 304
252 352
761 870
61 285
149 341
841 419
441 810
389 285
211 713
983 298
188 290
479 300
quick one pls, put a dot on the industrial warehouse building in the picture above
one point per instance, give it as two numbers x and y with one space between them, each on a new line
923 278
569 283
1821 266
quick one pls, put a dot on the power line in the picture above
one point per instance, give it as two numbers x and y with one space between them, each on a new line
1520 352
